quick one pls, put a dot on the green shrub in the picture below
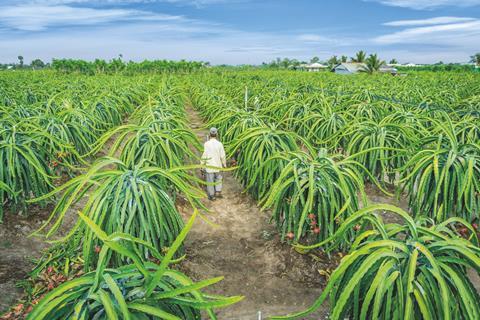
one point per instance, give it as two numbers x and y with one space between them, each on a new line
414 270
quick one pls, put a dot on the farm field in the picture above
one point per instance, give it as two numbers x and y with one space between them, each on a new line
356 195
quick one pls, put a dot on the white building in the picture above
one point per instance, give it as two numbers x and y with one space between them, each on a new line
412 65
349 67
388 69
315 67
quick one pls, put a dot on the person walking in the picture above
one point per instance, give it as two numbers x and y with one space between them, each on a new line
214 156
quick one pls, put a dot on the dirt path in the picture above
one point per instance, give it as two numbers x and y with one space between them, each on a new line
16 250
246 249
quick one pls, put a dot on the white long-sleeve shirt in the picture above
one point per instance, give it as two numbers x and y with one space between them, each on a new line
214 155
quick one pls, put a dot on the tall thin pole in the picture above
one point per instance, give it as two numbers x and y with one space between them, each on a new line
246 96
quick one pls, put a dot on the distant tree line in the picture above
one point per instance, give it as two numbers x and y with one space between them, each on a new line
284 63
373 63
439 66
360 57
35 64
118 65
115 65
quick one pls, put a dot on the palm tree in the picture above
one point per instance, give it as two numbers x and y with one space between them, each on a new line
360 57
393 61
20 60
475 59
344 59
373 64
333 61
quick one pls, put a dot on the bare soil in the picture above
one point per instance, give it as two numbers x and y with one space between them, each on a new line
17 250
246 249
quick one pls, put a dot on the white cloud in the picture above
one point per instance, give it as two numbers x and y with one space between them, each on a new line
428 4
40 17
198 3
196 41
424 55
312 38
40 31
465 34
426 22
154 41
434 39
202 2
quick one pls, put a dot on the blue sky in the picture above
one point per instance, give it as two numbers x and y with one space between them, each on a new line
239 31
